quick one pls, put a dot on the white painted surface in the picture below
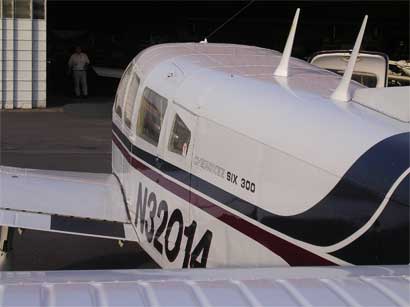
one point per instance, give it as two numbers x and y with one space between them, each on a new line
341 93
358 286
39 65
23 48
8 43
23 45
40 85
21 55
41 55
40 75
40 35
22 95
238 115
23 24
392 101
23 76
39 24
282 69
9 67
371 63
287 131
96 196
108 72
39 45
25 35
219 78
25 65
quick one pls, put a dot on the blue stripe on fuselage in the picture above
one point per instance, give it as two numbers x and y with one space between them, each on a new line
346 208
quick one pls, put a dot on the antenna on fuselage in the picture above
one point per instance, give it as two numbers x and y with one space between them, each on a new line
282 69
342 91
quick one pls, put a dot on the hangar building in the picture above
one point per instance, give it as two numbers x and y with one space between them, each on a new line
23 54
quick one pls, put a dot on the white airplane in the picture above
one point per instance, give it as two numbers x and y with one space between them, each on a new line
231 156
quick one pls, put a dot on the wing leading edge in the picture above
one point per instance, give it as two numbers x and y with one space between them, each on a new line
58 201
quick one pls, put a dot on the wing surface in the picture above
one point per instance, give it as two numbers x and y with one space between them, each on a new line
108 72
71 202
390 101
304 286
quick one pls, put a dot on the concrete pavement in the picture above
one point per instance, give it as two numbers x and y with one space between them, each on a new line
75 138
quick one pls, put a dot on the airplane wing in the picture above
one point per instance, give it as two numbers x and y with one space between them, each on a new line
391 101
302 286
58 201
108 72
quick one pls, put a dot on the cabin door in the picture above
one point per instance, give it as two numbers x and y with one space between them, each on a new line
174 158
177 147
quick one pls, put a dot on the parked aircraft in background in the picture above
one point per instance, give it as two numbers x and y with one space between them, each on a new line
231 156
373 69
370 70
399 73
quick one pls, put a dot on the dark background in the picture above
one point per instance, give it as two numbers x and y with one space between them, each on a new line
113 32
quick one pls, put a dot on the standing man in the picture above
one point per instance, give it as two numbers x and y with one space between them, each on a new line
78 65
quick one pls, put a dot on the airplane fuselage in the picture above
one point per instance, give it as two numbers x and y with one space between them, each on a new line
224 164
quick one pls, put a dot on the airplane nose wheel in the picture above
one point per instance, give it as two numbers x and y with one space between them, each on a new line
6 239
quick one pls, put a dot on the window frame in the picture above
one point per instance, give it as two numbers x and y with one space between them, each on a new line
139 126
126 74
171 133
131 100
191 121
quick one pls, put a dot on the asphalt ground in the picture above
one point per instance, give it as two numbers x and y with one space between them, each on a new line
76 137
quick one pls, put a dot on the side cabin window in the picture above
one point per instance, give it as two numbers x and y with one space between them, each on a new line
180 137
151 116
122 87
130 99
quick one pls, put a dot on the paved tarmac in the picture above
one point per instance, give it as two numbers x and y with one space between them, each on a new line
75 138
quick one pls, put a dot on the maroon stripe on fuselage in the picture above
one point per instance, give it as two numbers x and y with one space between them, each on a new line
292 254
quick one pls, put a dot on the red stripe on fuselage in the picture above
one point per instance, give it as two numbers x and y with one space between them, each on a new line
292 254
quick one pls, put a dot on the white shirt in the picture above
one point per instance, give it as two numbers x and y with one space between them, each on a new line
78 61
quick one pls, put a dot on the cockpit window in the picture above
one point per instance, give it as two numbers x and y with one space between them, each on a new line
151 115
180 137
130 99
122 87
